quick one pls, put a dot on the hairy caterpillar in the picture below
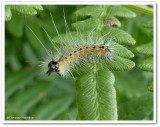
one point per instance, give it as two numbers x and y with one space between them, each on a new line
70 53
58 66
75 48
67 61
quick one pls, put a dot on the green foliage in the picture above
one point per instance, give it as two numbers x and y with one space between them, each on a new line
102 92
133 110
17 82
26 10
8 13
119 49
120 11
141 8
96 96
19 28
134 102
120 64
146 64
96 16
119 36
150 85
95 19
147 51
36 96
52 106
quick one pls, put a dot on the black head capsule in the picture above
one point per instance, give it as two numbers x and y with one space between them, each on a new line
53 67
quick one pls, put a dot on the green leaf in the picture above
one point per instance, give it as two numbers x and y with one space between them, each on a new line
24 9
8 13
29 54
148 24
96 96
37 7
89 11
97 16
118 36
33 40
120 11
14 63
129 85
96 10
145 49
87 24
147 64
141 8
29 96
48 111
117 63
16 30
70 114
91 15
121 50
27 10
140 108
18 81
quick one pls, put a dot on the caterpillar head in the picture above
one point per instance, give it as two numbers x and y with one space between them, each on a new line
53 67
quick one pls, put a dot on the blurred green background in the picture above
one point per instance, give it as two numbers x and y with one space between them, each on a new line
32 95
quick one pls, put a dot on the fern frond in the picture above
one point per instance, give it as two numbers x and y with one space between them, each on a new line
91 14
119 36
121 50
145 49
119 64
89 11
147 64
37 7
96 97
26 10
87 24
120 11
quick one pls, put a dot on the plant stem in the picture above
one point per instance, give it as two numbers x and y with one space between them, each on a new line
101 17
142 9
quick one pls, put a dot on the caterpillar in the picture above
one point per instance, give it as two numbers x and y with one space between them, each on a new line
69 54
75 48
77 55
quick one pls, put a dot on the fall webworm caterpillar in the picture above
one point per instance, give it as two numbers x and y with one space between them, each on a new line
75 48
